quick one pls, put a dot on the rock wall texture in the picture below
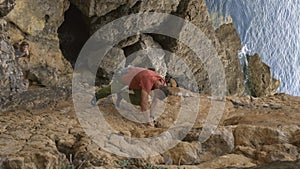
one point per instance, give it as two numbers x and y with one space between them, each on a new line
260 81
6 6
99 13
252 132
231 44
11 74
39 127
37 23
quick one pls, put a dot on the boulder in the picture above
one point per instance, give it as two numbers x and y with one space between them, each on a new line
147 54
220 142
257 136
231 44
279 164
6 6
98 7
38 18
32 99
183 154
180 62
37 23
11 74
108 65
260 81
49 134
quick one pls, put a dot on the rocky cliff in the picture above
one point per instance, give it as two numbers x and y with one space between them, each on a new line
39 127
260 81
37 23
11 72
56 31
252 132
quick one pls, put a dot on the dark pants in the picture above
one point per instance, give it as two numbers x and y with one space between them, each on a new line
133 97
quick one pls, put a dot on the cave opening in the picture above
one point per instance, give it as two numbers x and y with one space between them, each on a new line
73 33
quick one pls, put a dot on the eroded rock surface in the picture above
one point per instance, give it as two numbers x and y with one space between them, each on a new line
260 81
178 59
231 43
252 132
6 6
39 128
11 74
37 23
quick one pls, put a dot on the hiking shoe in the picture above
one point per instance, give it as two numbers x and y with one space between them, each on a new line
119 99
94 101
151 122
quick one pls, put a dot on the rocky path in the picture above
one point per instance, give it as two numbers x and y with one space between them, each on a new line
252 132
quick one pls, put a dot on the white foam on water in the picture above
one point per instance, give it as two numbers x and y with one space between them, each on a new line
270 28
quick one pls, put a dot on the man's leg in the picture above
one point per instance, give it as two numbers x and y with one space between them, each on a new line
114 87
103 92
133 98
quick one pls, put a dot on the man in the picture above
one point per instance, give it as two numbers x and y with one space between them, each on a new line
22 57
142 81
21 50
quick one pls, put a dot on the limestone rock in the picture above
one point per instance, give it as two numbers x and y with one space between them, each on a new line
107 66
37 23
6 6
11 75
15 162
184 153
229 161
38 133
147 54
260 81
39 128
97 7
166 6
41 33
38 17
279 152
181 62
221 142
37 98
231 43
280 164
190 66
255 136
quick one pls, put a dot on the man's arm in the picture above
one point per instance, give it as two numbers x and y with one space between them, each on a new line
153 107
144 101
144 107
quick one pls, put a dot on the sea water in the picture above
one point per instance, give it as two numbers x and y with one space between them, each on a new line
270 28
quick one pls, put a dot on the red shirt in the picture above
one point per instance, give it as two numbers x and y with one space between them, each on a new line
140 78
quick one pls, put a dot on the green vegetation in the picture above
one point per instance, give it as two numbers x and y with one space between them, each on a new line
129 163
64 163
123 163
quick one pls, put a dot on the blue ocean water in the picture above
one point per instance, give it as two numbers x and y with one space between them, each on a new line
270 28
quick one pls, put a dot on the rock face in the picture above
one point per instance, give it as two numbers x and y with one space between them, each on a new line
6 6
173 57
231 43
34 98
260 81
37 23
11 75
252 132
39 127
